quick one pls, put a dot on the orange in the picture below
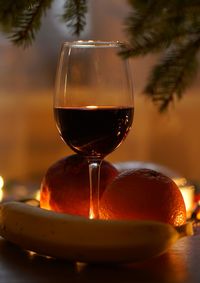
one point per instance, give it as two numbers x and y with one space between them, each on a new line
143 194
65 186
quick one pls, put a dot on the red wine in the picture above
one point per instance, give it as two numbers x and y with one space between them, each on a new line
93 131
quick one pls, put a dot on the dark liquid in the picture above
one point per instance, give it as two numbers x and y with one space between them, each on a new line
94 131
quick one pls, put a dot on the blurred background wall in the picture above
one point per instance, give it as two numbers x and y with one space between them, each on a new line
29 141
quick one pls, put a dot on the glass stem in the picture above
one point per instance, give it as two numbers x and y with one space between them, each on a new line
94 177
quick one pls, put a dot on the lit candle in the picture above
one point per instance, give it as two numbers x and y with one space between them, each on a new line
187 192
188 196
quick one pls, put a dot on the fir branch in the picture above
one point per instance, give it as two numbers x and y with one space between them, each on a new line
159 24
29 23
171 28
74 15
175 72
10 11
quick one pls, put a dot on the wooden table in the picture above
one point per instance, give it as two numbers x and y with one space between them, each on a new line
181 264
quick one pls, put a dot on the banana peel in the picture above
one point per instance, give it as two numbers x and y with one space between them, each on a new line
76 238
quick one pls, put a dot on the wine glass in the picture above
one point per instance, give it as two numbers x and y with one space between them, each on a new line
93 103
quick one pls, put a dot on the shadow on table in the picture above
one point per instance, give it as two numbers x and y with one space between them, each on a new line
19 266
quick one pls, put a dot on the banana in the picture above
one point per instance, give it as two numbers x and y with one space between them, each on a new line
79 239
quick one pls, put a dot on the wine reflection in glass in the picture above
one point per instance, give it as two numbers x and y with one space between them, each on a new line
93 103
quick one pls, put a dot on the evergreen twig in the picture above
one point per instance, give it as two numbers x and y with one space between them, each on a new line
171 28
74 15
10 11
174 73
29 23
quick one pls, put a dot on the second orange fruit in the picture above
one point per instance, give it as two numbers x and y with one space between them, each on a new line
143 194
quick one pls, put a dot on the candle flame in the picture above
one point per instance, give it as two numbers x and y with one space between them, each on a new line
1 188
187 192
188 196
37 195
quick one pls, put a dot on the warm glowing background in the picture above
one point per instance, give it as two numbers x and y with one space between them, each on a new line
29 141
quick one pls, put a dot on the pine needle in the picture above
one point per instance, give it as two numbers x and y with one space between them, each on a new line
173 74
29 23
74 15
172 29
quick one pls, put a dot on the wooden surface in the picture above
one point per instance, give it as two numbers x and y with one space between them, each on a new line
181 264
